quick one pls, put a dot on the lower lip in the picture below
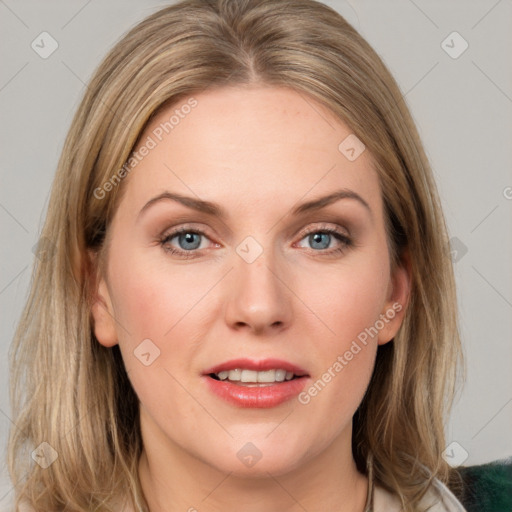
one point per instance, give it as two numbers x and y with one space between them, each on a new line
256 396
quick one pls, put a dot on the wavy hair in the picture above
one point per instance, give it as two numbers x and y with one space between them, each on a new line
71 392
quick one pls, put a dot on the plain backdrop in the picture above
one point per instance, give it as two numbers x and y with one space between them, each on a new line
460 98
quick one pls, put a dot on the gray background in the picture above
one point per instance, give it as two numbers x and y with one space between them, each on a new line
463 109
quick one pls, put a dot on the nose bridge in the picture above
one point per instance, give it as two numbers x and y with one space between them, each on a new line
258 298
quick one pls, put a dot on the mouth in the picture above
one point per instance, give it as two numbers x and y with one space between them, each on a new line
251 378
259 384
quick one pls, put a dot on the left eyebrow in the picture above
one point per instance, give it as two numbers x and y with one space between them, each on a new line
322 202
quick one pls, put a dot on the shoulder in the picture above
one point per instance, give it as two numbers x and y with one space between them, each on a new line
438 499
488 486
441 499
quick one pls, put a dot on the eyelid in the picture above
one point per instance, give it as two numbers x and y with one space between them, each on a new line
187 226
320 226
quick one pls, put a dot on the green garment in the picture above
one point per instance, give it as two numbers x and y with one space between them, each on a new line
487 487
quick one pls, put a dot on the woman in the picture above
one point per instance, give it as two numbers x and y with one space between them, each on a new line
250 305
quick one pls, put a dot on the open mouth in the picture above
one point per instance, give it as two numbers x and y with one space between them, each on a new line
263 383
251 378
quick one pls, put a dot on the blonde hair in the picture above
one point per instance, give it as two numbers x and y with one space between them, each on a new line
73 393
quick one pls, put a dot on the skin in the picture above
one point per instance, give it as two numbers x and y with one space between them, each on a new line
257 151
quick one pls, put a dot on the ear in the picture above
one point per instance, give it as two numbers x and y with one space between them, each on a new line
102 311
398 296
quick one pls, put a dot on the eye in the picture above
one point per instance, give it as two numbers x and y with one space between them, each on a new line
323 239
188 242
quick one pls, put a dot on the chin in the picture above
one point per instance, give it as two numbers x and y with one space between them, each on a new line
259 457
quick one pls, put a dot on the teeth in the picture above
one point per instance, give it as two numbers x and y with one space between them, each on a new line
280 375
267 376
249 376
235 374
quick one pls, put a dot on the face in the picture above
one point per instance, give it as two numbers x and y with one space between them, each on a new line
263 282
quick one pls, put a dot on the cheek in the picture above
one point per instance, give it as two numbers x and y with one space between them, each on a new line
348 297
154 304
344 357
152 297
162 302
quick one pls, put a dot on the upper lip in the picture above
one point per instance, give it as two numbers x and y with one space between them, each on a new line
257 365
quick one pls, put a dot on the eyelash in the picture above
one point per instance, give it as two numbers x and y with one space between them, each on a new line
346 242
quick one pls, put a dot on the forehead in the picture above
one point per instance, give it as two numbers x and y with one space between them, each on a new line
243 146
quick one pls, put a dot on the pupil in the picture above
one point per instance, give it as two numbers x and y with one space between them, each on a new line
189 241
317 238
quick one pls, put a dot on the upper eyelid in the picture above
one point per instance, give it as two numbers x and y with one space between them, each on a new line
184 229
325 226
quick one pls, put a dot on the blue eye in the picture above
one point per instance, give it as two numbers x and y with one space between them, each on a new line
188 242
320 240
191 240
323 239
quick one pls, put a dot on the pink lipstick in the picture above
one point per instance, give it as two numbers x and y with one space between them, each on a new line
256 383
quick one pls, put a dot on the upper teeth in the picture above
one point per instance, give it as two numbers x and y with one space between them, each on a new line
252 376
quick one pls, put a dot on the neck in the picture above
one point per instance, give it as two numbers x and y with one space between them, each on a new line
173 480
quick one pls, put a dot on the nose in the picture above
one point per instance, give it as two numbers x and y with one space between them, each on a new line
259 299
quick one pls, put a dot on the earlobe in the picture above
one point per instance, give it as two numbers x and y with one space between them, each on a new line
398 298
102 314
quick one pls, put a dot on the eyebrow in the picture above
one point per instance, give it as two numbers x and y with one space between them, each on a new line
216 210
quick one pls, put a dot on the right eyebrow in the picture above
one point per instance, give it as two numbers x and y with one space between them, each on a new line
191 202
